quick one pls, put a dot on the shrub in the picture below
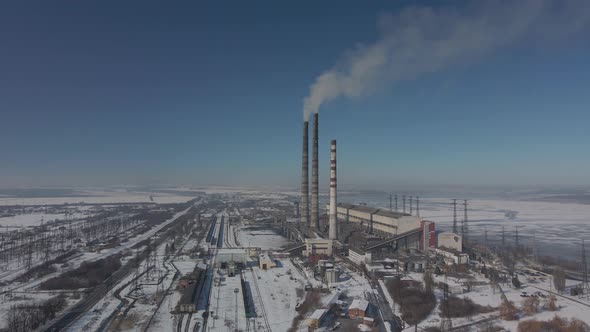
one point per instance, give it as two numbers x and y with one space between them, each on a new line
462 307
508 311
531 305
557 324
88 274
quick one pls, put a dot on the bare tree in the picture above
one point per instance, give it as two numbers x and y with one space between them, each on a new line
531 305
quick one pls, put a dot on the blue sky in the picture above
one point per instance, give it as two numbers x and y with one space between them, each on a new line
140 92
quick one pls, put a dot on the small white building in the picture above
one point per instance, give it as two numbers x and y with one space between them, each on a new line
265 262
451 241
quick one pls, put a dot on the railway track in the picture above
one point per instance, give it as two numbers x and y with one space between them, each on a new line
262 310
179 324
188 322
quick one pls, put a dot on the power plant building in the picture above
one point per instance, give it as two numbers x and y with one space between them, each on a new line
380 222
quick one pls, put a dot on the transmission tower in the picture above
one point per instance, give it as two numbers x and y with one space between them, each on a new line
390 202
485 235
418 206
404 203
535 249
516 240
411 210
396 203
455 216
464 227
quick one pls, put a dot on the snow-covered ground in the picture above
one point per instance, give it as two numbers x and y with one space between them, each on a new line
485 295
36 219
265 239
107 198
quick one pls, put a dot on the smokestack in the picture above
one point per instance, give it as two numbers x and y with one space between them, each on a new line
315 214
304 204
333 232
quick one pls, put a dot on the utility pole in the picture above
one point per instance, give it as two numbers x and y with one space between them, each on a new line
455 216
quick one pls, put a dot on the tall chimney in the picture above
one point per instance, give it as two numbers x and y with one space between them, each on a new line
315 213
304 204
333 232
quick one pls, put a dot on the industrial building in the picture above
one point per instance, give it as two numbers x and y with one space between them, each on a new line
451 256
231 255
428 239
380 222
316 318
359 256
318 246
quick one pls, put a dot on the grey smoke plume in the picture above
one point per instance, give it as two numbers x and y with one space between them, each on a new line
419 40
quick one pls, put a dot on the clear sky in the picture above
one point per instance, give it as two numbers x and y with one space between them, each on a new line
144 92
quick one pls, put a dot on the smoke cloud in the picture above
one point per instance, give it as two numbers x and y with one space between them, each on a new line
421 40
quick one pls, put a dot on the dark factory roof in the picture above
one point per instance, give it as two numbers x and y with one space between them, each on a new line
367 209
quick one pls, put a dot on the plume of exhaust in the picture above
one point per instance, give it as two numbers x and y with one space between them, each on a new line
420 40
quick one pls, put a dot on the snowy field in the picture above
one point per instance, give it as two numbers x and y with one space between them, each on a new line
110 199
36 219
